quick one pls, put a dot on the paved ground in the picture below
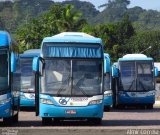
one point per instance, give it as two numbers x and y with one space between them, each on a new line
130 121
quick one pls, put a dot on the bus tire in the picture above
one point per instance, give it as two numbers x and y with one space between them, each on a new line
56 120
107 108
7 121
120 106
150 106
46 121
96 121
15 118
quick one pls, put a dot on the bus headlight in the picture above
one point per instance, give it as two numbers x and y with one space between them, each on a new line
5 101
151 94
46 101
121 93
23 96
94 102
108 94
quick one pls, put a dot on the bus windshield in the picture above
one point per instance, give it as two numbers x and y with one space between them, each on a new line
4 70
27 77
107 81
72 77
136 76
145 80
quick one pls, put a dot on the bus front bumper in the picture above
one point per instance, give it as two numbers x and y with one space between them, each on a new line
136 100
5 110
91 111
27 102
108 101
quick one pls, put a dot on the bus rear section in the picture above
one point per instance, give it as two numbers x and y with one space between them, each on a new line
135 84
27 92
71 80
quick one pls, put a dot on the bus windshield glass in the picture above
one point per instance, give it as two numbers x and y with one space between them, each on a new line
27 77
107 82
4 70
72 77
128 73
145 80
136 76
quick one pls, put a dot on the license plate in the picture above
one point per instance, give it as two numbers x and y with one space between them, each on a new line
71 112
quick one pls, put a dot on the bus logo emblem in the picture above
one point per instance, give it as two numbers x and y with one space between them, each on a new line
63 101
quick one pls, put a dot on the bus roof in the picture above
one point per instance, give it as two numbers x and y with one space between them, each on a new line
106 55
78 37
133 57
5 39
30 53
72 45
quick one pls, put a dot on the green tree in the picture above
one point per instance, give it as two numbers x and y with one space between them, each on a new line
143 40
69 20
59 18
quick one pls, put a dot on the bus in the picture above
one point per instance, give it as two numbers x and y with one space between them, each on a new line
107 83
134 81
27 93
69 78
10 80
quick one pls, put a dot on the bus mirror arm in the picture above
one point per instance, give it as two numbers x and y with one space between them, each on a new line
43 66
36 71
37 93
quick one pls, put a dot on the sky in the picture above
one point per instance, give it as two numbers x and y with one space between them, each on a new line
146 4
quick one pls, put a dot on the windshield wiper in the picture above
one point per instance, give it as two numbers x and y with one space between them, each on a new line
76 85
131 85
62 88
84 93
140 82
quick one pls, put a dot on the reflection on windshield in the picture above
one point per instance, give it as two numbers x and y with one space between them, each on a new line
3 70
57 77
145 76
107 81
27 77
86 78
127 76
136 76
66 77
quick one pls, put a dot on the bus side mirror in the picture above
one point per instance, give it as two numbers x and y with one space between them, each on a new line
13 62
115 72
38 65
35 64
156 72
106 64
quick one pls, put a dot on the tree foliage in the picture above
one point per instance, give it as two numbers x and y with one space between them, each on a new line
58 19
123 30
114 36
142 40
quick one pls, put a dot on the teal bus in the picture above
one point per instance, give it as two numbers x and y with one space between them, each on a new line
27 93
9 80
133 79
69 78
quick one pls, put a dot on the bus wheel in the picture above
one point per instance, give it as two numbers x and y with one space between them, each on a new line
56 120
150 106
120 107
96 121
46 121
7 121
107 108
15 118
